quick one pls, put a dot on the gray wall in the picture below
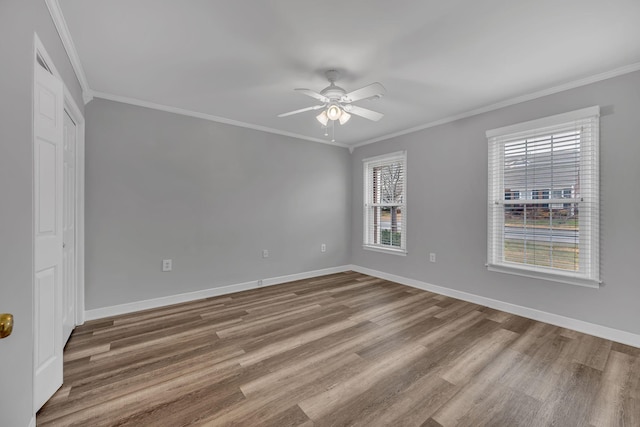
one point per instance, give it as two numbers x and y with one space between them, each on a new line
18 21
209 196
447 207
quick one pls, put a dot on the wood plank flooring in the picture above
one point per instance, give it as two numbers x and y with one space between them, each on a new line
340 350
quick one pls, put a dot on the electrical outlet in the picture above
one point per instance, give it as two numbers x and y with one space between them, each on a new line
167 265
265 253
432 257
323 248
259 282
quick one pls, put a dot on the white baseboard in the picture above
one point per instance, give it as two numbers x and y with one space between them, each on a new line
605 332
99 313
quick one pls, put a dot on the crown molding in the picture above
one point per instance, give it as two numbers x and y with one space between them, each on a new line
87 94
506 103
209 117
63 31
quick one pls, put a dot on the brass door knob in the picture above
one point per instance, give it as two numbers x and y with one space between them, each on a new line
6 325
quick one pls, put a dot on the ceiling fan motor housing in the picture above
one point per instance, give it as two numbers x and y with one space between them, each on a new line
333 92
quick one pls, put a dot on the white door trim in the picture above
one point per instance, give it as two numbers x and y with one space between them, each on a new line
75 113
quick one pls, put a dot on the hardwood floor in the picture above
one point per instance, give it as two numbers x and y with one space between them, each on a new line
344 349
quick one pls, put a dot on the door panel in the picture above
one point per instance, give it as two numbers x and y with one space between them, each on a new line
45 350
48 180
45 164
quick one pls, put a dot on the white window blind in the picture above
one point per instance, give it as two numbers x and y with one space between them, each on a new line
543 198
385 217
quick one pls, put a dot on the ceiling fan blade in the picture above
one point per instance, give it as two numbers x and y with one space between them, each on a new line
302 110
363 112
374 89
313 94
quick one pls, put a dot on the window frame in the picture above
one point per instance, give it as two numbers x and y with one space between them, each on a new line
588 273
368 165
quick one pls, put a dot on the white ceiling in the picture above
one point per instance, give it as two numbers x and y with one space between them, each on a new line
241 59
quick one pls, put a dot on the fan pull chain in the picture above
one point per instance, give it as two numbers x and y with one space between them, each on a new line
333 131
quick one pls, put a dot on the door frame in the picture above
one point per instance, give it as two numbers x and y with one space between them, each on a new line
71 107
75 113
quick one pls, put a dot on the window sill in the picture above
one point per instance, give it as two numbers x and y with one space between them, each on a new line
401 252
554 277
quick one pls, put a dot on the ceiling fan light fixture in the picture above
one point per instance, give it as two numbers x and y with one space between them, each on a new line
323 118
334 112
336 103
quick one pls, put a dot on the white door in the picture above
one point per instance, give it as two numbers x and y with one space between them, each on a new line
48 121
69 229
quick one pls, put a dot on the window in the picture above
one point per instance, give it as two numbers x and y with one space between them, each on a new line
385 218
543 206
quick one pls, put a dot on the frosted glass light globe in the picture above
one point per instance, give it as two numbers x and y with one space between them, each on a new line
334 112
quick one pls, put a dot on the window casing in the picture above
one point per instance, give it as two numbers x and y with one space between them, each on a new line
543 198
385 215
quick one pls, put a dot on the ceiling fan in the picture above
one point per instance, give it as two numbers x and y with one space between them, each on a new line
337 103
